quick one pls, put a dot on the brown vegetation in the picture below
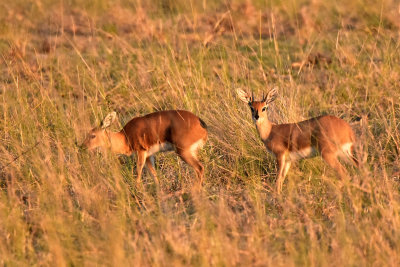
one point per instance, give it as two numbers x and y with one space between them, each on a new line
67 64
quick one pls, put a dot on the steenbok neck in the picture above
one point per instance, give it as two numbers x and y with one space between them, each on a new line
118 143
264 127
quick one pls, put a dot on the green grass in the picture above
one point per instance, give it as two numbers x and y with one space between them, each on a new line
66 65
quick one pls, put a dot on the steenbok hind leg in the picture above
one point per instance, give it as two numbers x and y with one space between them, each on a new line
189 157
331 160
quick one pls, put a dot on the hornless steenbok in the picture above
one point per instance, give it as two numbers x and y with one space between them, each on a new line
160 131
327 136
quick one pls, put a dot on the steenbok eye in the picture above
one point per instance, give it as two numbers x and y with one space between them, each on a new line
264 109
92 136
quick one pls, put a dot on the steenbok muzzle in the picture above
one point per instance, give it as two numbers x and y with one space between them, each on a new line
161 131
327 136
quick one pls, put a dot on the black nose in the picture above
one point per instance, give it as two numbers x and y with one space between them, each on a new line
256 116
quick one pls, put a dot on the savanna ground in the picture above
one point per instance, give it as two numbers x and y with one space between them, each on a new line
66 64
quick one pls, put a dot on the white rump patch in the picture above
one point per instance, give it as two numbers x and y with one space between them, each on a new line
195 146
345 150
304 153
161 147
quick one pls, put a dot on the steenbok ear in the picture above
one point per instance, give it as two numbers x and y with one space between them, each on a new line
243 96
108 120
271 96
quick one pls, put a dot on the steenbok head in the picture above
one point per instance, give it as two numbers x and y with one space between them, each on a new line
258 108
99 136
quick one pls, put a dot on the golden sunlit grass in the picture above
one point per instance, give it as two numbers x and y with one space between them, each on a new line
65 65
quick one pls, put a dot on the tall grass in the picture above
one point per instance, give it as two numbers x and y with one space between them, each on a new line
66 64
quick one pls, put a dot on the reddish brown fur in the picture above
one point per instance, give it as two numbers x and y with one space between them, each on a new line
179 128
320 132
326 134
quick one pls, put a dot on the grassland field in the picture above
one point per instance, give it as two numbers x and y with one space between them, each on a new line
66 64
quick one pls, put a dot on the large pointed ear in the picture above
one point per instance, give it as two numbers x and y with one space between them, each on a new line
108 120
271 96
244 96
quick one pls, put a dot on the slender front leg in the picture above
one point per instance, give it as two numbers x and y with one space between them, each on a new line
141 159
150 166
281 161
286 169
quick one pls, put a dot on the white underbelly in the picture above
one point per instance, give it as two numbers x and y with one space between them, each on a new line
303 153
161 147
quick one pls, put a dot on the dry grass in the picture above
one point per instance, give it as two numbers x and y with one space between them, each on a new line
65 65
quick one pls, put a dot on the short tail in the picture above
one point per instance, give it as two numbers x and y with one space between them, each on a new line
203 124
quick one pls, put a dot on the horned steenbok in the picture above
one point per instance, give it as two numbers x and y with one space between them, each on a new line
161 131
327 136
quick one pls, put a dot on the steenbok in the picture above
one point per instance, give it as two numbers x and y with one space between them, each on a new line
327 136
161 131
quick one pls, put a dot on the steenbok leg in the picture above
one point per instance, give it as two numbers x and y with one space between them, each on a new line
283 168
331 159
141 159
150 166
286 168
190 158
